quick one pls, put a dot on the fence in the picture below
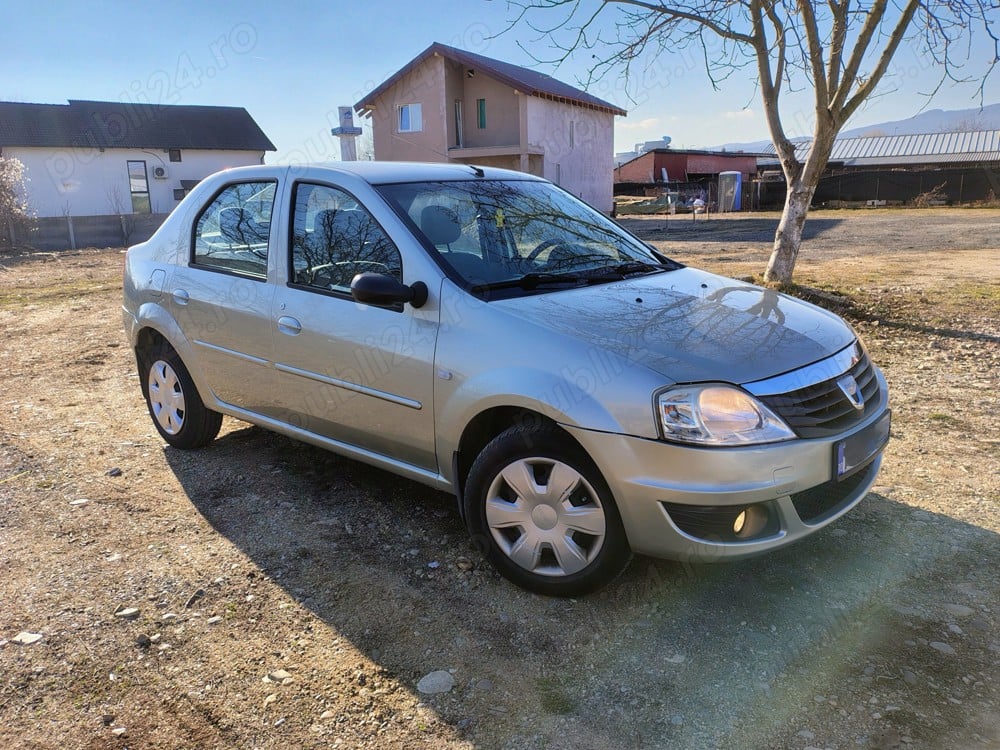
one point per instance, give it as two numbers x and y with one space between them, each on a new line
682 194
893 187
72 232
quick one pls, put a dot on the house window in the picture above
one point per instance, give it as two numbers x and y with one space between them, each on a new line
409 119
572 134
458 123
175 154
138 186
179 194
481 113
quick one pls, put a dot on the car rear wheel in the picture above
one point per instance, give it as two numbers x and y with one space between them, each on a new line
179 414
543 515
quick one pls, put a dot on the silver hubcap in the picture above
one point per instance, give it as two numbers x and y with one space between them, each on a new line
545 516
166 397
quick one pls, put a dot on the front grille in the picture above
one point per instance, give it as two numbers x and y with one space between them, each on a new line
815 504
822 410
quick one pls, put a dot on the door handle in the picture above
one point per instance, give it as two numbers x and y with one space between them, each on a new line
288 324
181 297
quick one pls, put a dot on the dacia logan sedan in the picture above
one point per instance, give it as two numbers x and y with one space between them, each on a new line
487 334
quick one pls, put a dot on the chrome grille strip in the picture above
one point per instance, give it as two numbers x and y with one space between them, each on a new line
820 409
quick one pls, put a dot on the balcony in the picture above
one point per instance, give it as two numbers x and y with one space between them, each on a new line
460 153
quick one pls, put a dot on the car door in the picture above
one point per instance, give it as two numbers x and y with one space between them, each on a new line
221 299
355 373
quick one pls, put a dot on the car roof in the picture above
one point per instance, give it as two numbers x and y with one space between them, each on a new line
383 172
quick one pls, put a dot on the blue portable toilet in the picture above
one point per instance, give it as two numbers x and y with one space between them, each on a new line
730 191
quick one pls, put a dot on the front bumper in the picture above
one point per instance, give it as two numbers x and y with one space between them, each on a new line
680 502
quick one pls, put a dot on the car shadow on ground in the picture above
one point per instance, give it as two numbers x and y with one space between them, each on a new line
676 655
754 230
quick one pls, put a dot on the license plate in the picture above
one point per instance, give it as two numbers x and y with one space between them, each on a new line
853 453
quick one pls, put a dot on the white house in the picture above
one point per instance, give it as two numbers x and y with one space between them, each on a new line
91 158
456 106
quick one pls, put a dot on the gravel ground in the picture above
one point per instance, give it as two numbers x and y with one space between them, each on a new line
263 593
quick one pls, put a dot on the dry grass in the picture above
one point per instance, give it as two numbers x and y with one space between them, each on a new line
321 567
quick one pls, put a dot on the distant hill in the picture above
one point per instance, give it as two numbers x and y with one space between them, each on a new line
932 121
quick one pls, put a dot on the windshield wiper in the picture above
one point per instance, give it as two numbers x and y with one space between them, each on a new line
603 274
533 280
640 266
621 271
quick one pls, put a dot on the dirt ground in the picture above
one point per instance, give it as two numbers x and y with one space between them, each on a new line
262 593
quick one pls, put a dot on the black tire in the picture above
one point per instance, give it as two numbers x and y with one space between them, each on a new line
167 385
574 545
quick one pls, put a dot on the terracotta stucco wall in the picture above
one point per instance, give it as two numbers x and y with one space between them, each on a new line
424 85
502 123
577 142
454 90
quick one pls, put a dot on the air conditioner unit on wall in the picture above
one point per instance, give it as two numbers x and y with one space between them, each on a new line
160 173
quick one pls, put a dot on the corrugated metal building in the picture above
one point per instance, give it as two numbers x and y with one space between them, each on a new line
960 167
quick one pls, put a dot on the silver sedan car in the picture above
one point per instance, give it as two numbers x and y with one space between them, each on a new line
485 333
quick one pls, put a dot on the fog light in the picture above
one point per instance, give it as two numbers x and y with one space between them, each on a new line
740 522
750 522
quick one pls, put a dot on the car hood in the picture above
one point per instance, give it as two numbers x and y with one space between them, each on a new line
691 326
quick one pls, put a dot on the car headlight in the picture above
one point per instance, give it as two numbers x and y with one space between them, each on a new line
717 414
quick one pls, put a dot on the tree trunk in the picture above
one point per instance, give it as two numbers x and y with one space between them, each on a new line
788 238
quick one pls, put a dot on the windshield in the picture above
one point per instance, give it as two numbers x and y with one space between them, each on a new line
520 235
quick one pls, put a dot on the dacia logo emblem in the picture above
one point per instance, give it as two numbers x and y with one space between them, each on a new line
849 387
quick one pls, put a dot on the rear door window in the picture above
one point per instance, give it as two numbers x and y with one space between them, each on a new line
232 233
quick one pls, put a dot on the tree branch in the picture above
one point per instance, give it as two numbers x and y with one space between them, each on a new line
693 16
866 88
814 51
769 88
838 37
868 29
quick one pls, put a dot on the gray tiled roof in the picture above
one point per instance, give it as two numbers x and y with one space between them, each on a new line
921 148
88 124
523 79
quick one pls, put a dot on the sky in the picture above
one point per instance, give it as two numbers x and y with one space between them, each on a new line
291 64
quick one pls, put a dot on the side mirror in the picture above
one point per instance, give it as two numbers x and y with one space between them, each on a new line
385 291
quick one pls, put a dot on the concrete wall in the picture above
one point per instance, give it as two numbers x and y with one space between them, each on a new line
83 181
72 232
579 148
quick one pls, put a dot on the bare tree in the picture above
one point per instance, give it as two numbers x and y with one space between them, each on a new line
366 144
116 202
840 49
15 214
968 125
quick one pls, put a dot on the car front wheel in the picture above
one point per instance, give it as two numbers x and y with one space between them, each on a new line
543 515
179 414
